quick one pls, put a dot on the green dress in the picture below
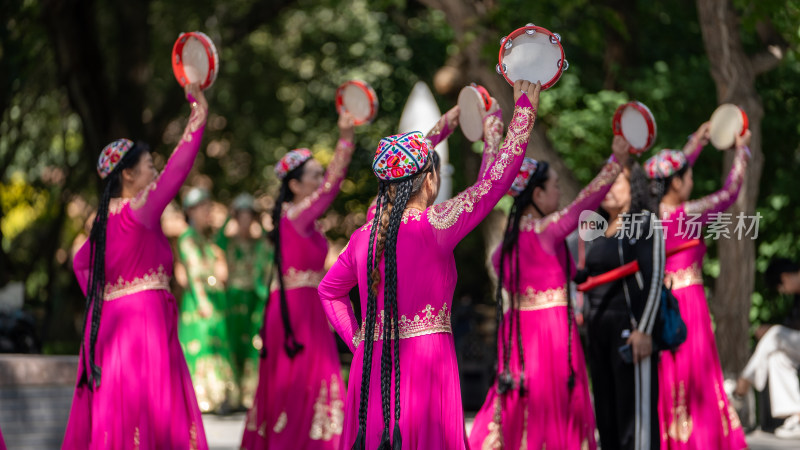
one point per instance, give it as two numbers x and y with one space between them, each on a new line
202 328
249 263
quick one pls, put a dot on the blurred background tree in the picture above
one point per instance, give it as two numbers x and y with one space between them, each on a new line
75 74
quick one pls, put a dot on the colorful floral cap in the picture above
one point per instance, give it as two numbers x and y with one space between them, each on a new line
111 155
401 156
195 196
665 164
529 166
290 161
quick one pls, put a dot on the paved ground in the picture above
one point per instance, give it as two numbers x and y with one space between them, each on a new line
225 433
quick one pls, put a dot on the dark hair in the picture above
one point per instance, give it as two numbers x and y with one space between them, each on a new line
642 199
291 345
97 261
776 268
390 206
509 248
659 187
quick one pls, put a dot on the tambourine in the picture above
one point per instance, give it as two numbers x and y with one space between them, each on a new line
195 59
474 102
726 123
634 122
532 53
359 99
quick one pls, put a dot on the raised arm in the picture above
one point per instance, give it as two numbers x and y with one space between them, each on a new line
148 206
696 142
303 214
453 219
720 201
492 136
334 290
559 225
444 127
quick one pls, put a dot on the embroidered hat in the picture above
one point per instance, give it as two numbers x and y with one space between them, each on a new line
244 202
111 155
401 156
194 197
290 161
529 166
665 164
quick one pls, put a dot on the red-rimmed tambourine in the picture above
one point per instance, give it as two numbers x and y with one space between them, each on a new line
534 54
359 99
474 102
726 123
634 122
195 59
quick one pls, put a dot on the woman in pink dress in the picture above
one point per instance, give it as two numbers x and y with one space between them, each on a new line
693 408
541 395
299 398
134 389
409 397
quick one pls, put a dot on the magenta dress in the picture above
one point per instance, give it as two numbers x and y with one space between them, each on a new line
693 409
549 415
431 417
146 399
298 402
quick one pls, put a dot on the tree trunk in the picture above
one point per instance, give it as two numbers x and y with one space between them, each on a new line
734 73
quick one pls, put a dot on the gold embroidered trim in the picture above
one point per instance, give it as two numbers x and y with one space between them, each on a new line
116 204
141 197
410 214
681 425
280 424
333 178
295 279
606 177
682 278
446 214
424 323
493 134
494 440
533 300
193 436
196 120
136 438
328 417
713 201
153 280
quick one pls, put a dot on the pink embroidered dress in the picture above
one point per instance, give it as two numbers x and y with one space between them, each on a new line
298 402
431 411
549 415
145 399
693 409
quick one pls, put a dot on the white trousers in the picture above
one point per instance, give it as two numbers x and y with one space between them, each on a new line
776 358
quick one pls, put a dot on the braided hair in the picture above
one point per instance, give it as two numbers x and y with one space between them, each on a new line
391 204
97 262
291 345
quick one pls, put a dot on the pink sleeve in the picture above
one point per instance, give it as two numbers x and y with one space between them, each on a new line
692 149
455 218
439 132
80 265
303 214
492 135
148 206
334 293
557 226
720 201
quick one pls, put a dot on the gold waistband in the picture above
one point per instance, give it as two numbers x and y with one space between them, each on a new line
533 300
294 279
428 321
153 280
686 277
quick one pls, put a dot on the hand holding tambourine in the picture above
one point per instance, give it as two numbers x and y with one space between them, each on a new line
359 99
620 148
195 94
726 124
744 140
530 89
195 59
346 125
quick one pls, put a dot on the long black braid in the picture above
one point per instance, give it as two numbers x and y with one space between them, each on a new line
505 333
391 204
291 345
97 261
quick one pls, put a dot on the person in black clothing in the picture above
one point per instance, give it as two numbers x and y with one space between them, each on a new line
622 314
777 355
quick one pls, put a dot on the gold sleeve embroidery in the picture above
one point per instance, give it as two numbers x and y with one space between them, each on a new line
712 202
437 129
141 198
493 135
608 174
446 214
333 176
196 120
